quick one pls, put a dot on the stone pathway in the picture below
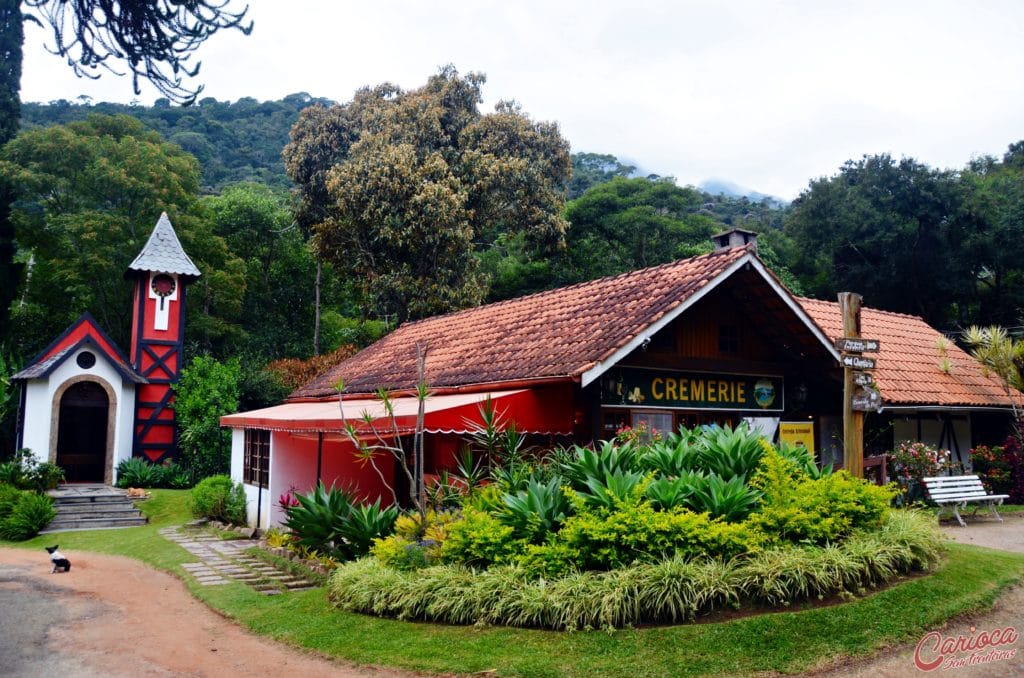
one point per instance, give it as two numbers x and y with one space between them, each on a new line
223 561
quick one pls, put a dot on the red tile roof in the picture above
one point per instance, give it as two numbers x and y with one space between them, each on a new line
555 334
908 366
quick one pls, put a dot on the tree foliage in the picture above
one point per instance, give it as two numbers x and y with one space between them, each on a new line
234 142
89 194
591 169
207 390
156 40
401 187
889 230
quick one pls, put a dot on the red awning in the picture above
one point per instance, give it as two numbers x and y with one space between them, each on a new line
444 414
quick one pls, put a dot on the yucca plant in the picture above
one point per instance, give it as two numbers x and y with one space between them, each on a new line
536 511
319 519
729 452
730 499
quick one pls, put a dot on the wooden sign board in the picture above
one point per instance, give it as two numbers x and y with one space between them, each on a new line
863 379
858 345
867 400
857 362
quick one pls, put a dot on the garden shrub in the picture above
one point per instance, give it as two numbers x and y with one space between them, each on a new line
9 495
480 539
25 473
666 591
913 461
637 532
797 508
29 514
1001 469
217 498
138 472
536 511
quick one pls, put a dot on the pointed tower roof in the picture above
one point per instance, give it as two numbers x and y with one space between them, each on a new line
163 253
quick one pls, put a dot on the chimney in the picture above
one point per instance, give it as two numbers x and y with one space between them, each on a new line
734 237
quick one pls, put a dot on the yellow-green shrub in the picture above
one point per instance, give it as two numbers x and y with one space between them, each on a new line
480 539
797 508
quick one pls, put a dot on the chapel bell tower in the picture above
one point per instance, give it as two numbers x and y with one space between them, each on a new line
161 272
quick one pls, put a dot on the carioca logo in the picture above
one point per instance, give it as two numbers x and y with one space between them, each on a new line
935 650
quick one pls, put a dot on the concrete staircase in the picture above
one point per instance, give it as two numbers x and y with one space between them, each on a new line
91 507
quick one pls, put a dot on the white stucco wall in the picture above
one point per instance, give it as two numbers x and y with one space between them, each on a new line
40 406
252 492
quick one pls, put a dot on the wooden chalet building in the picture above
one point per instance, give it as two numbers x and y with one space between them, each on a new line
712 339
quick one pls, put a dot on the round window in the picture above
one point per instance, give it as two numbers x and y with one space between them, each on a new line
86 359
163 285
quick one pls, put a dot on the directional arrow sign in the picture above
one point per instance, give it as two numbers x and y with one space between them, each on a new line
857 362
858 345
863 379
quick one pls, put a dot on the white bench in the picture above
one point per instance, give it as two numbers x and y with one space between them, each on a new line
958 491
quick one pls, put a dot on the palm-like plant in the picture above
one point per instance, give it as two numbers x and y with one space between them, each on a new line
730 452
585 463
612 490
668 493
366 522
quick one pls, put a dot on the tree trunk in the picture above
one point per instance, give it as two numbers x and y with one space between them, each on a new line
12 38
316 307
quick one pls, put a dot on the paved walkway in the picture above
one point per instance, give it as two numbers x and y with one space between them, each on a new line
223 561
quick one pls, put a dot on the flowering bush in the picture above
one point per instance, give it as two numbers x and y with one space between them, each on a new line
1001 468
913 461
640 434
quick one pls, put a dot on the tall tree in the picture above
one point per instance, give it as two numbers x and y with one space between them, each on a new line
401 187
625 224
889 230
591 169
154 39
88 195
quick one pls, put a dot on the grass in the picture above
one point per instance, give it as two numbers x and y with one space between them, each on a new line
970 579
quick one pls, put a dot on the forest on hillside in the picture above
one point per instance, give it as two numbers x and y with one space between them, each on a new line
319 224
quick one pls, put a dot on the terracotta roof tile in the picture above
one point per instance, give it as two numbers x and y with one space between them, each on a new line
908 366
558 333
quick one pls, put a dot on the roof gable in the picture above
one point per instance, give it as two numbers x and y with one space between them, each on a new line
572 333
83 332
163 252
908 368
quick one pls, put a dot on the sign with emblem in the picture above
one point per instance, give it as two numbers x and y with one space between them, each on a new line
858 345
642 387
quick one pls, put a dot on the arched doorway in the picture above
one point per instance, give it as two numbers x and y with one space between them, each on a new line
82 432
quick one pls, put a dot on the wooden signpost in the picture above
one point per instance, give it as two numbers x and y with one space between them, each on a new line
858 395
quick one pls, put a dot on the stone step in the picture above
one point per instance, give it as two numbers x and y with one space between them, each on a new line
82 509
60 525
113 498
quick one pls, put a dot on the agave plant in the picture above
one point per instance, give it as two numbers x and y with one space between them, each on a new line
804 461
612 490
535 511
319 519
586 463
729 499
668 493
673 456
366 522
729 452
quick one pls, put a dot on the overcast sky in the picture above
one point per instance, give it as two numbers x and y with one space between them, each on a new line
765 94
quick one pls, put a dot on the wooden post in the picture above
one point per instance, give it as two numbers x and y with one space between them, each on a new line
853 422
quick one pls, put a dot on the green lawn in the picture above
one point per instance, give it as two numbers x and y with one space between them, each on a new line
789 642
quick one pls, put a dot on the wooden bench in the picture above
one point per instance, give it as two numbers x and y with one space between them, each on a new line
958 491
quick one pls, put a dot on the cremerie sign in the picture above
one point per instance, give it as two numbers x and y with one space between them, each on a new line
639 387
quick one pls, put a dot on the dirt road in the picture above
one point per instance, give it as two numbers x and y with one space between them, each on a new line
116 617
